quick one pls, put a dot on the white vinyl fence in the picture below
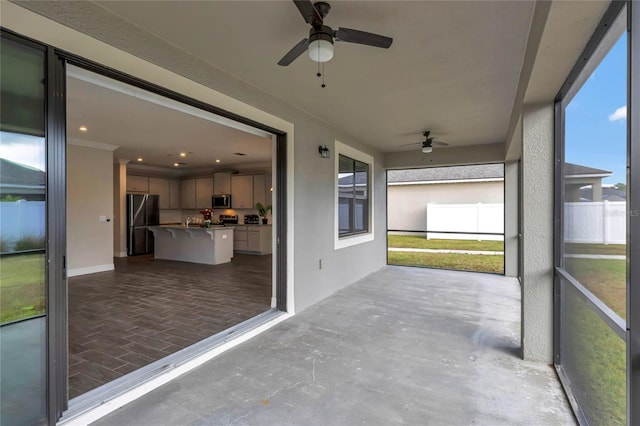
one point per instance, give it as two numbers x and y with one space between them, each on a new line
603 222
463 218
21 219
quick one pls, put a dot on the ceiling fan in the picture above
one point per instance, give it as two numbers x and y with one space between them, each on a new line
321 37
428 143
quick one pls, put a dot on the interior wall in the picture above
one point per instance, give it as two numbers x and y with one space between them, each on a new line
310 178
407 204
89 196
119 209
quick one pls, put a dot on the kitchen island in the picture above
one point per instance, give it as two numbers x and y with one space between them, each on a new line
211 246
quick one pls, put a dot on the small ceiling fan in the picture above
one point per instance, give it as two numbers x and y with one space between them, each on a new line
322 37
428 143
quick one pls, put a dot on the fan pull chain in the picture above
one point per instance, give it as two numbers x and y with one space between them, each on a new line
323 85
318 73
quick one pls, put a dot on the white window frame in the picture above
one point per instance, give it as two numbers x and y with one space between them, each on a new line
352 240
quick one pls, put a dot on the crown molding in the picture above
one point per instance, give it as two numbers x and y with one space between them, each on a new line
92 144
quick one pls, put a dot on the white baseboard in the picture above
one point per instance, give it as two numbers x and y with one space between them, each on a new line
119 254
274 302
90 270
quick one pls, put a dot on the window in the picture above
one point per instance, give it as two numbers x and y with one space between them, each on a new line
354 197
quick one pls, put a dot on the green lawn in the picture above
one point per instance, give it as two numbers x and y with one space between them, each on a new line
595 351
596 359
608 249
411 241
606 278
459 262
22 286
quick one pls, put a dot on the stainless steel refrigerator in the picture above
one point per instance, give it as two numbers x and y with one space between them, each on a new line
142 212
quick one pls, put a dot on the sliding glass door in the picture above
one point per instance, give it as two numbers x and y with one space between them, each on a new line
23 228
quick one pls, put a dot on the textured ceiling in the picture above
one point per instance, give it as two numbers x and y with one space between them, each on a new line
453 68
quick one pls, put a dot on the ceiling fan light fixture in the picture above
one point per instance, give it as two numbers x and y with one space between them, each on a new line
426 148
320 47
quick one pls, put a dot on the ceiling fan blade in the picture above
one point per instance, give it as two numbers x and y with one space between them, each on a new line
293 54
412 143
438 143
361 37
308 12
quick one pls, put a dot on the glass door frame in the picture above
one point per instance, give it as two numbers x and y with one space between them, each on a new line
633 218
55 217
280 217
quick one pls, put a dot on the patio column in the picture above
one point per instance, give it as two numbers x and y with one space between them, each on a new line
511 212
537 226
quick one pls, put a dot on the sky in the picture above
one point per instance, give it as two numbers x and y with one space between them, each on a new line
23 149
596 118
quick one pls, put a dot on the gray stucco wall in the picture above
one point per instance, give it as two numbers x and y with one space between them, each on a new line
511 219
537 199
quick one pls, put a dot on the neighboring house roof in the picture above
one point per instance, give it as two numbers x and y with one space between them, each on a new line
608 193
452 173
576 170
361 179
12 173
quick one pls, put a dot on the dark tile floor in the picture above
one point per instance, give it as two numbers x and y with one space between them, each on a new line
147 309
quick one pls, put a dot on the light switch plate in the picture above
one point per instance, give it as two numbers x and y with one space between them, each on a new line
103 218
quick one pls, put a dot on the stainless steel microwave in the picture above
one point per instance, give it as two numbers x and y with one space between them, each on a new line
221 201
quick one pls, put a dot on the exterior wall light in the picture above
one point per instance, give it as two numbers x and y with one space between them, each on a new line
324 151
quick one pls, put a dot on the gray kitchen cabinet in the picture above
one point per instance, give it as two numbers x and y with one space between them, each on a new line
240 237
188 193
247 190
204 191
259 239
259 195
159 186
222 183
252 239
174 194
137 183
242 192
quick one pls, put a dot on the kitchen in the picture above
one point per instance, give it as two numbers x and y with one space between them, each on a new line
179 206
128 307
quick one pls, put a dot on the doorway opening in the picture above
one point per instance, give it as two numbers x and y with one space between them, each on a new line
447 217
155 264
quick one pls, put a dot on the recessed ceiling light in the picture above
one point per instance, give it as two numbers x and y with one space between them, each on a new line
217 161
176 164
183 154
139 158
83 128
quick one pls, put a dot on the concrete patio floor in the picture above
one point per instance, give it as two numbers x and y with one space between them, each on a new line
404 346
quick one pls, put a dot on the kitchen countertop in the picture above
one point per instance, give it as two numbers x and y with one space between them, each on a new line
196 228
